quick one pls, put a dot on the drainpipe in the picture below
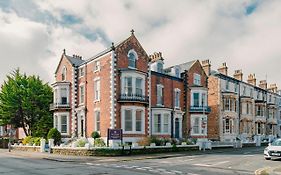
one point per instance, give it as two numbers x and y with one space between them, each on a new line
239 111
149 97
172 112
86 110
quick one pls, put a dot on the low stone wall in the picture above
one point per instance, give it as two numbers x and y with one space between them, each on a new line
4 143
26 148
249 144
118 151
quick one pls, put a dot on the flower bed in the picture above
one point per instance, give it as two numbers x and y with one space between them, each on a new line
118 151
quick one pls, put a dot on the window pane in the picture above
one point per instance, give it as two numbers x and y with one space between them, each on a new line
139 120
128 86
132 60
166 123
157 123
196 125
160 95
196 99
97 120
63 124
128 120
138 86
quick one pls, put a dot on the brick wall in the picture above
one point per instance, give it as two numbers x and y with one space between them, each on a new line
213 100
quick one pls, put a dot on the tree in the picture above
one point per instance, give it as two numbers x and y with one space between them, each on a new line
24 102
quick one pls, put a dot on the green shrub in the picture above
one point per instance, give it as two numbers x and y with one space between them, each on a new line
54 134
95 135
36 141
27 140
81 143
99 142
157 141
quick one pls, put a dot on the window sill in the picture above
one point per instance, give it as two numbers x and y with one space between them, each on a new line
96 101
96 70
133 132
161 133
160 105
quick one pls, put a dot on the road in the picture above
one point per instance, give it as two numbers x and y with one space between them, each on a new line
224 162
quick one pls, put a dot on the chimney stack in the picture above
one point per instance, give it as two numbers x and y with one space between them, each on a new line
238 75
273 88
252 79
156 56
223 69
206 64
263 84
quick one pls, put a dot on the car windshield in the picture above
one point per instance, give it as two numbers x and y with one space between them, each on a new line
276 143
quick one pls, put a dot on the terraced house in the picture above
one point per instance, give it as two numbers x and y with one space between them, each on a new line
241 110
124 88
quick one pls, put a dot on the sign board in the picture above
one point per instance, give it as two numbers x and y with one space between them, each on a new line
115 134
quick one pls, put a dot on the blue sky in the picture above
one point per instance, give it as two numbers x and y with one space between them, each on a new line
246 34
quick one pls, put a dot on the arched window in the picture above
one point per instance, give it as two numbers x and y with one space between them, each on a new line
63 74
132 57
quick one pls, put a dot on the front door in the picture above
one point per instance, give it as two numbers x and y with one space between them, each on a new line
177 128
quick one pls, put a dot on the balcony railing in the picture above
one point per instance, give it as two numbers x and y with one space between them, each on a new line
133 98
54 106
203 109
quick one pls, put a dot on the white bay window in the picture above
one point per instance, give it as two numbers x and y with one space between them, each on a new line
133 119
61 122
161 122
132 84
199 125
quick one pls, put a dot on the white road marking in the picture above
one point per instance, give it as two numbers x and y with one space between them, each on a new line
209 165
175 171
248 155
219 163
200 164
192 174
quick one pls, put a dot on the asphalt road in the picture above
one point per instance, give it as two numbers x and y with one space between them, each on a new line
224 162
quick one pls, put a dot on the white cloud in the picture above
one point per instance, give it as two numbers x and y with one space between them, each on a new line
183 30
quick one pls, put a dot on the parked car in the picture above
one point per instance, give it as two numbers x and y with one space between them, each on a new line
273 150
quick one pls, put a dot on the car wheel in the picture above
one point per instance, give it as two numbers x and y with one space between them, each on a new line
267 158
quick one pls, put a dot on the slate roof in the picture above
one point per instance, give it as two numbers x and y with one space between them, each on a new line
183 66
74 61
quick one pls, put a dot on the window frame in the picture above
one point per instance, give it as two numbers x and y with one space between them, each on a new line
81 100
133 110
197 79
134 53
160 94
97 94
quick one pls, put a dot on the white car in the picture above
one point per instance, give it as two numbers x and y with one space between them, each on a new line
273 150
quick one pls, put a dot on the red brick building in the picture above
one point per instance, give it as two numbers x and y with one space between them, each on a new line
122 87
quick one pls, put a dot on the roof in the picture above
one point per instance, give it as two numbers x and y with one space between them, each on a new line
187 65
74 61
183 66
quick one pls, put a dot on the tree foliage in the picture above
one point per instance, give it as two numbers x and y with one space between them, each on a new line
24 102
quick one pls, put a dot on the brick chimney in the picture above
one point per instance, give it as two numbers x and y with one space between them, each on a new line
156 56
223 69
273 88
206 64
238 75
263 84
252 79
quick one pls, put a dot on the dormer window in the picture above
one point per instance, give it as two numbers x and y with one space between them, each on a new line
132 57
160 67
63 74
177 72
